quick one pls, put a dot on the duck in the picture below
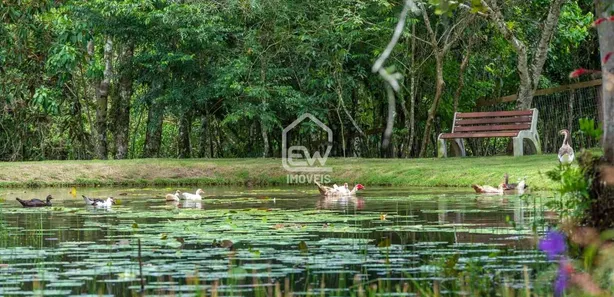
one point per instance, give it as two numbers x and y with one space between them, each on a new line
488 189
521 185
338 191
98 202
566 154
197 196
35 202
173 197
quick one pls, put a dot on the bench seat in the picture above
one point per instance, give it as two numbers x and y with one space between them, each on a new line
518 124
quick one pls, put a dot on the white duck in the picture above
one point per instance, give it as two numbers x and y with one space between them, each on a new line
338 191
99 202
173 197
197 196
566 154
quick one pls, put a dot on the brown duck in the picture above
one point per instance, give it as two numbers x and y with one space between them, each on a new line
35 202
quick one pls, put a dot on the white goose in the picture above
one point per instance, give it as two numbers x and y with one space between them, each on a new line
566 154
173 197
197 196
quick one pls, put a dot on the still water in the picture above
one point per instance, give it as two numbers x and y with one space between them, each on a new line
261 241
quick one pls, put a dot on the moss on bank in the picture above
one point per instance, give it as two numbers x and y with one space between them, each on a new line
451 172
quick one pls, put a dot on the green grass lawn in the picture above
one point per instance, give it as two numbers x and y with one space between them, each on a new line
451 172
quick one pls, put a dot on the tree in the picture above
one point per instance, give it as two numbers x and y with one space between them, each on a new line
448 38
528 71
606 47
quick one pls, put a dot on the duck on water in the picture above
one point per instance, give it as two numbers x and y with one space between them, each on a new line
35 202
98 202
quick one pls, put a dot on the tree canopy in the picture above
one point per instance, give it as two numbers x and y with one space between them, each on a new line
163 78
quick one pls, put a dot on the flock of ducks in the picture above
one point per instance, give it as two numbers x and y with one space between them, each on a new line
566 157
95 202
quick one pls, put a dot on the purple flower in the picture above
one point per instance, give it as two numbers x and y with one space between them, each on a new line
562 278
553 244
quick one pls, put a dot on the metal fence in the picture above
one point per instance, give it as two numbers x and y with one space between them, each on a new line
559 108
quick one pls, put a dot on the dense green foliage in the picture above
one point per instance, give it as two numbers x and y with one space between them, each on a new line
223 78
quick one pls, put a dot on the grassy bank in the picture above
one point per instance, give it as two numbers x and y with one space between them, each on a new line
452 172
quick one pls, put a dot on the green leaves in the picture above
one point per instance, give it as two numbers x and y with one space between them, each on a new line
588 128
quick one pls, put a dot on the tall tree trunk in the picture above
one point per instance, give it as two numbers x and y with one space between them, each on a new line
412 93
606 47
265 140
102 98
122 104
184 136
203 137
439 85
153 135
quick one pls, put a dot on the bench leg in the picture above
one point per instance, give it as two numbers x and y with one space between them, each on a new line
460 147
533 141
442 151
518 146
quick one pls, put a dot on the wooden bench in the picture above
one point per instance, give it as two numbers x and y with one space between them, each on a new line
518 125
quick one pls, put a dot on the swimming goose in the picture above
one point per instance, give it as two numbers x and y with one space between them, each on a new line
173 197
566 154
99 202
189 196
35 202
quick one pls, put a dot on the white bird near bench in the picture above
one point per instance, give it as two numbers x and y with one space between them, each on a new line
566 153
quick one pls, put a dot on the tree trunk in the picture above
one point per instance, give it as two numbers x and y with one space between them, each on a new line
265 140
121 105
412 93
439 85
153 135
204 133
102 98
184 136
606 46
461 74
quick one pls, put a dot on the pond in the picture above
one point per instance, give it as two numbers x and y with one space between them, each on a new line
264 241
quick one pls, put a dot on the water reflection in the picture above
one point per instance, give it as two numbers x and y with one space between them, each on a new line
96 250
346 202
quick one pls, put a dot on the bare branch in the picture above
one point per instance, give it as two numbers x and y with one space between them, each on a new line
409 5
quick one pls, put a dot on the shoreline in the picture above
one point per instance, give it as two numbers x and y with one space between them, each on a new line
450 172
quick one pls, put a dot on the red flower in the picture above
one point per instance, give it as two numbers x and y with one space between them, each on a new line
607 57
578 72
598 22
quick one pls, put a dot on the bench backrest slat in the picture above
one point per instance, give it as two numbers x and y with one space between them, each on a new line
496 121
515 113
518 127
499 120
